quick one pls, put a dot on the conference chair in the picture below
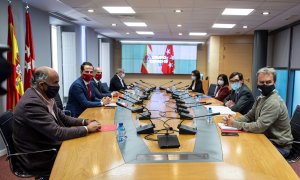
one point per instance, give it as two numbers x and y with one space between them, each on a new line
59 104
6 127
211 90
295 126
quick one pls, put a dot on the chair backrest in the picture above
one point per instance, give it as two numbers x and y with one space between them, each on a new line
295 126
104 85
6 120
211 90
6 130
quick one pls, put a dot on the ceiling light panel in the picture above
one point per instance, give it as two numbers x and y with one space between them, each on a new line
135 24
197 33
237 11
145 32
119 10
216 25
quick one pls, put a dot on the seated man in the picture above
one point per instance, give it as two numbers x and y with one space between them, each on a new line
82 92
269 114
240 98
40 125
117 83
100 91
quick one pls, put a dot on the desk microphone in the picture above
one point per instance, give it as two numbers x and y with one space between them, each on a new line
134 110
183 129
147 129
137 100
151 85
162 88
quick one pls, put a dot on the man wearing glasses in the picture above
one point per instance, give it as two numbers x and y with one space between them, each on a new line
240 99
269 114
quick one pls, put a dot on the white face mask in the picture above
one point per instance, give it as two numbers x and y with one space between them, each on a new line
193 77
220 82
123 75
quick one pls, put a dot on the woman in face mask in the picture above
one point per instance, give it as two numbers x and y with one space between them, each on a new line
222 90
196 85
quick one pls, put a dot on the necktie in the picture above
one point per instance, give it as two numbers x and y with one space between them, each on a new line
88 91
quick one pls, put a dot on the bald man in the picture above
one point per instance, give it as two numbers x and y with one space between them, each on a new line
117 83
40 125
100 91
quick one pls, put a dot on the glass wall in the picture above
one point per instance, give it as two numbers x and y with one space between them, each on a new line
296 94
281 83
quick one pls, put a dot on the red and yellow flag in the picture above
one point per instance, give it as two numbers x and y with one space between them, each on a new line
147 56
29 54
14 82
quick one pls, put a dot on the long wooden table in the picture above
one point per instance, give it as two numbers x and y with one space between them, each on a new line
97 156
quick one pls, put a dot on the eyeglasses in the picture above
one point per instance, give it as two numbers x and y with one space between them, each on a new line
234 80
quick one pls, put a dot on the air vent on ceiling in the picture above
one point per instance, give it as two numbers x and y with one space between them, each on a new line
127 16
87 19
62 16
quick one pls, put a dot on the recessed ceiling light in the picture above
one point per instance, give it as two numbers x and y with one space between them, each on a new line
91 10
197 33
245 27
159 42
145 32
135 24
119 10
127 33
113 24
223 25
265 13
180 34
237 11
179 25
178 11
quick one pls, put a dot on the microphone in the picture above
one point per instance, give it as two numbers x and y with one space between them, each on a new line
137 100
151 85
134 110
162 88
184 87
169 91
183 129
133 102
146 129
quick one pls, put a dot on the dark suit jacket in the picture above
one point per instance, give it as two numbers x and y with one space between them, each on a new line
244 100
34 129
78 98
100 91
222 92
115 84
198 86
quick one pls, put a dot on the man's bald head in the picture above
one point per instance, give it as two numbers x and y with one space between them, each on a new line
43 74
97 70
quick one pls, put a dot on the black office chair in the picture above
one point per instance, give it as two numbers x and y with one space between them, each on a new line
211 90
294 156
6 125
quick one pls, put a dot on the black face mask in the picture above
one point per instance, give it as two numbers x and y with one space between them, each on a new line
51 91
265 90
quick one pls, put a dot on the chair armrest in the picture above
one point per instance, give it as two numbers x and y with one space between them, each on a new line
34 152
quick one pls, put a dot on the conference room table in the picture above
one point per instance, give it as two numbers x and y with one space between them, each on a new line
98 155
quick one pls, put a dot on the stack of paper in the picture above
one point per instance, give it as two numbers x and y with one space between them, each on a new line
111 105
221 109
225 128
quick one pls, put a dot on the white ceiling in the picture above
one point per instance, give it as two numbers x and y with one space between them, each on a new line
197 15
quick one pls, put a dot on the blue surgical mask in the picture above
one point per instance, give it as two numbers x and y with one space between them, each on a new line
193 77
235 86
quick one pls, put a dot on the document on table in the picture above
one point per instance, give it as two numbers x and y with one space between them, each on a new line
221 109
111 105
225 128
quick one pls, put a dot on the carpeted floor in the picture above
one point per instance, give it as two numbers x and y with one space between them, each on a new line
6 174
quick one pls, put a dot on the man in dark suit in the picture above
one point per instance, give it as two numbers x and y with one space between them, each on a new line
240 99
82 92
117 83
40 125
100 91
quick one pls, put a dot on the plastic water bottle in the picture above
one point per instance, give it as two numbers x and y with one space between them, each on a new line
209 118
197 99
136 91
121 133
138 123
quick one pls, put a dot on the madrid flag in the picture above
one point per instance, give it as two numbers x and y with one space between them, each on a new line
14 82
169 65
29 54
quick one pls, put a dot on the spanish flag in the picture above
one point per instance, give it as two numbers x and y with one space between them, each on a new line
14 83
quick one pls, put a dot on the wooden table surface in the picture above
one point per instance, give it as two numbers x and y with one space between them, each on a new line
97 156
